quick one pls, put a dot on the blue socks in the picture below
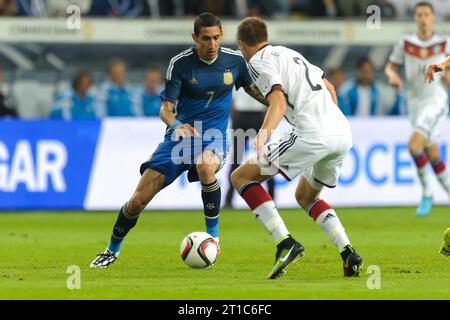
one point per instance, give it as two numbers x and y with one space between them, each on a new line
211 195
124 223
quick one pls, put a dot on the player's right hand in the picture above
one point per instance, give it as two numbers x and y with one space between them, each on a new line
429 74
396 81
185 131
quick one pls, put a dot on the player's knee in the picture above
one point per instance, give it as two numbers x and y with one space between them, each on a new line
137 203
305 197
206 174
235 178
415 145
302 199
433 157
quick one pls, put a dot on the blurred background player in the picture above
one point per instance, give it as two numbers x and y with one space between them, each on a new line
337 79
316 146
6 107
147 97
427 104
363 96
199 81
247 114
429 77
114 97
76 102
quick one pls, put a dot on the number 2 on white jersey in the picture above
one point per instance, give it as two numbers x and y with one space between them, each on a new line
314 87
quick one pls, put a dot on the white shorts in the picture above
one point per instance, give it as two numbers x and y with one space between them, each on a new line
428 121
319 159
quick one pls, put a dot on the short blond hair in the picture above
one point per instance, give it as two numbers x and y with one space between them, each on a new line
252 31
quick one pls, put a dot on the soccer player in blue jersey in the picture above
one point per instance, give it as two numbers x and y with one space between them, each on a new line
199 82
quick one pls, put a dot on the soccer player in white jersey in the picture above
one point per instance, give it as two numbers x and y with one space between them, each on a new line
427 103
429 77
316 146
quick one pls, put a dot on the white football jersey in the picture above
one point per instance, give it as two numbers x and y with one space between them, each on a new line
310 107
416 55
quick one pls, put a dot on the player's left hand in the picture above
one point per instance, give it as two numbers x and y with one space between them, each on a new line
258 143
429 74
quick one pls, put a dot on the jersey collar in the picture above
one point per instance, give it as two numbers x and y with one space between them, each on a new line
267 44
207 62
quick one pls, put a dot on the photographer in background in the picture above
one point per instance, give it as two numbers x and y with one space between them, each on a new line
6 109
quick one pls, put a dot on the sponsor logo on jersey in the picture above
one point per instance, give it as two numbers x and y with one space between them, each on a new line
194 80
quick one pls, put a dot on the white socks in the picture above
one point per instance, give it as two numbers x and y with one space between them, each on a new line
331 225
267 214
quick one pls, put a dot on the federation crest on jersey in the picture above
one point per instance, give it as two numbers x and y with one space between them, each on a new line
228 77
423 53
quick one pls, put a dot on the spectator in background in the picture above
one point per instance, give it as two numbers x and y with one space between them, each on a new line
365 97
58 8
34 8
259 8
8 8
403 8
50 8
117 8
337 79
146 98
353 8
159 8
217 7
100 8
114 98
387 9
6 108
300 7
76 103
323 8
126 8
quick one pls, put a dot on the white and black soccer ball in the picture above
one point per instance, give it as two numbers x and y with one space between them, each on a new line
199 250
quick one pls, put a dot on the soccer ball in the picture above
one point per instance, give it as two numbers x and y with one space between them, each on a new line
199 250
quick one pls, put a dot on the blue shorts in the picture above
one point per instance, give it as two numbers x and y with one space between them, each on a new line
172 158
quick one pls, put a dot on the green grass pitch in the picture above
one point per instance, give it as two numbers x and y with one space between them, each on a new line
36 248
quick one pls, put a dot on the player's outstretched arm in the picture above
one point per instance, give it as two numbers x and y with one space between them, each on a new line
437 67
181 130
253 91
274 114
394 79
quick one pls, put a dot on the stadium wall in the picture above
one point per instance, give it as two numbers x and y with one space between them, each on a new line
94 166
